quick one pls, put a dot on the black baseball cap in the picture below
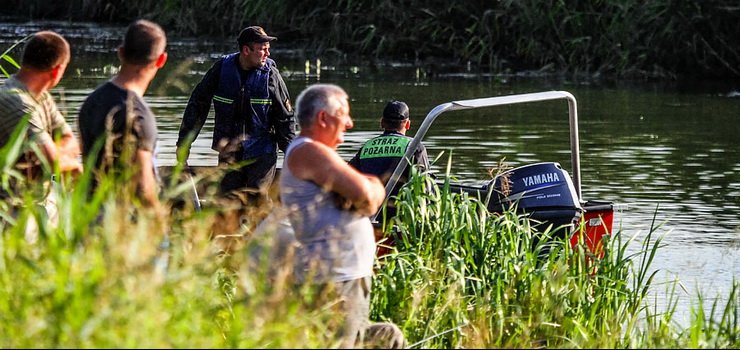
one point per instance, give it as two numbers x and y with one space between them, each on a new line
396 110
253 34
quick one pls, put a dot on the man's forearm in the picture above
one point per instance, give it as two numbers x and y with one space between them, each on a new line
64 154
199 104
68 146
193 120
147 182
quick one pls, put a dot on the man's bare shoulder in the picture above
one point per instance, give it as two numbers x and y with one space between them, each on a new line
310 152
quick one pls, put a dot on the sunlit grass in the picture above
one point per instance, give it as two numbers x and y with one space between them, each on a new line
458 277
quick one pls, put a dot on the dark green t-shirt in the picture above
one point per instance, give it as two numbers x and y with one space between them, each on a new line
113 112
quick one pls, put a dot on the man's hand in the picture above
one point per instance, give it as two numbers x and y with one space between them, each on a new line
70 165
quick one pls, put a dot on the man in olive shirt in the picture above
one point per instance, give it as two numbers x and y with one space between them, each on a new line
25 99
25 102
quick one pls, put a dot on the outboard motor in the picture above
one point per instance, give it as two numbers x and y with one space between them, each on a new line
544 191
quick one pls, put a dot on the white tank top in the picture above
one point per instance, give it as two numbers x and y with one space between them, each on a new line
337 245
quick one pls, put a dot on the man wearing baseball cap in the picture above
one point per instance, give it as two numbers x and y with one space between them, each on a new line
380 155
253 115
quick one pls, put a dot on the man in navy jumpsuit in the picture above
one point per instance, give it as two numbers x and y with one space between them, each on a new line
253 114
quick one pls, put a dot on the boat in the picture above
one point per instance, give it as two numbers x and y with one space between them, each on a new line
547 193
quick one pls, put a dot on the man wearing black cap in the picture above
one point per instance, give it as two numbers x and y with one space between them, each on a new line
380 155
253 114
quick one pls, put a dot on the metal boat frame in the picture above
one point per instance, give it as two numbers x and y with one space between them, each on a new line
491 102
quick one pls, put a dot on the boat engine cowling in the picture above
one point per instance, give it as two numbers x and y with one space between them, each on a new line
544 191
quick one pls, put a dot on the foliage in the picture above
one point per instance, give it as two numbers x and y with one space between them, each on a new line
632 39
461 277
102 276
5 56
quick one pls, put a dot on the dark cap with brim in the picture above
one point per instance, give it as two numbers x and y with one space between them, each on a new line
396 110
253 34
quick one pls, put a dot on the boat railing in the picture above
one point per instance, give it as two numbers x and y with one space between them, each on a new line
491 102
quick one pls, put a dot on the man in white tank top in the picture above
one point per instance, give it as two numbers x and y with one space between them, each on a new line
329 204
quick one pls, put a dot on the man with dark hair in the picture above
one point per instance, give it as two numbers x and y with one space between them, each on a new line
116 126
25 98
25 102
253 114
380 155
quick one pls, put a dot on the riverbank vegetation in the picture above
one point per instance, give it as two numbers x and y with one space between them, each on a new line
624 39
459 277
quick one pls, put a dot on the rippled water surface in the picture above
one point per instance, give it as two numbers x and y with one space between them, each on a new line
669 152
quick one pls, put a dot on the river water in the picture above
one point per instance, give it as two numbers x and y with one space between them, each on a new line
667 152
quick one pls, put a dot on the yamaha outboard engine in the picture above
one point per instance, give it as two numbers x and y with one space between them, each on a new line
544 191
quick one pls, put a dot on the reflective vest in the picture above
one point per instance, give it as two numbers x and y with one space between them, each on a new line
241 107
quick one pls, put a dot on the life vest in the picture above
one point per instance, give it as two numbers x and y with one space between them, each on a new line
241 108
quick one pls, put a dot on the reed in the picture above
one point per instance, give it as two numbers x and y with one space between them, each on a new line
457 277
5 56
611 38
100 277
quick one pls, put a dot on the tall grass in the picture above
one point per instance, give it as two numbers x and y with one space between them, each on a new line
459 268
96 279
457 277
